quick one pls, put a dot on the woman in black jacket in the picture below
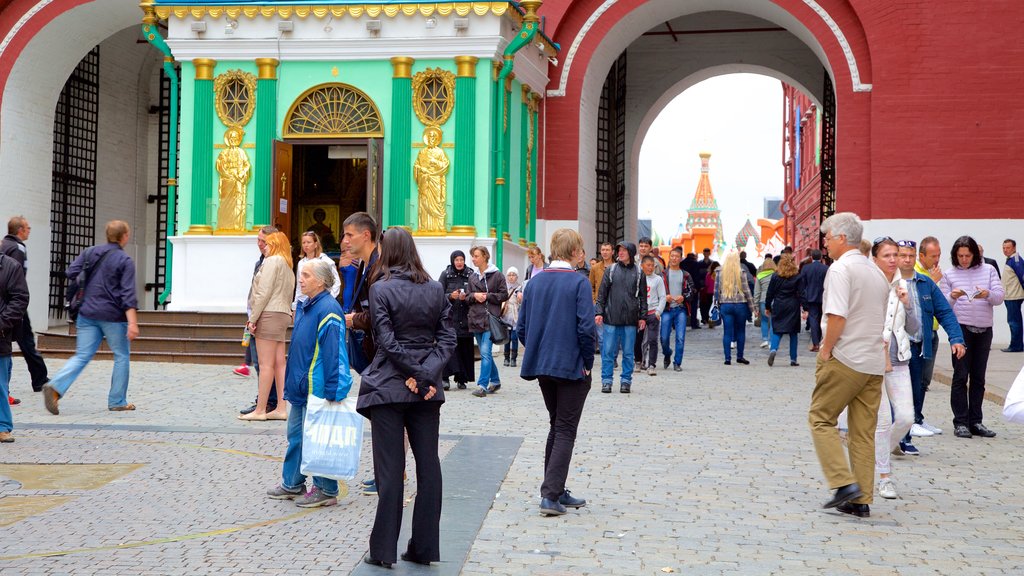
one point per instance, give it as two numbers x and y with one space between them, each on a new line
783 305
487 290
401 392
455 281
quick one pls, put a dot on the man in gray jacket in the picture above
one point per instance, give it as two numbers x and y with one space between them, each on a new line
620 309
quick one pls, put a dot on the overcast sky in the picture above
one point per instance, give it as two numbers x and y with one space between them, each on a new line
738 119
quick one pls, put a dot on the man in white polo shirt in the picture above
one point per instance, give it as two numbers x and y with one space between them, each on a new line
850 366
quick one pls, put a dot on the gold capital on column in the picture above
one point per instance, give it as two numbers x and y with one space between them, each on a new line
204 68
267 68
465 66
526 93
402 66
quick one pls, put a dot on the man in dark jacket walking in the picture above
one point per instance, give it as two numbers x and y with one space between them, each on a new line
13 303
13 245
812 285
108 313
620 308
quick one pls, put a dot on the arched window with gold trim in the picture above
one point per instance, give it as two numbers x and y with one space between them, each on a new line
333 110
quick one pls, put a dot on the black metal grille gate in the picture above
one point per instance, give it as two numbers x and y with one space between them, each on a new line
828 153
611 156
159 281
73 199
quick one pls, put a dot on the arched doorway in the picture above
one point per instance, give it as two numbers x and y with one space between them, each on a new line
79 148
328 163
666 46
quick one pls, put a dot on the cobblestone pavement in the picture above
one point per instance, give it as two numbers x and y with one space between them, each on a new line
707 471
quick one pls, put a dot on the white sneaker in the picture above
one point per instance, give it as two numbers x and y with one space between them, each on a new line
887 488
930 428
651 371
764 344
920 431
734 345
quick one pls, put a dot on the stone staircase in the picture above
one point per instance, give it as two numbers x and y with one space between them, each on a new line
180 337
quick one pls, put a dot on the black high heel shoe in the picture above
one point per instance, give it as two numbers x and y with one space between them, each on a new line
410 558
378 563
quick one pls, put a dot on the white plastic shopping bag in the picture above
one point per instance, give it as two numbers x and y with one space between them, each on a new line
332 438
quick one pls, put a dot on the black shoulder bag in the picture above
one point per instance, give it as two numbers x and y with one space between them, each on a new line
76 289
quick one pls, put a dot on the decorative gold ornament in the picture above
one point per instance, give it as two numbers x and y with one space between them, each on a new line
333 110
234 97
529 164
267 68
204 68
234 169
433 96
465 66
402 66
430 172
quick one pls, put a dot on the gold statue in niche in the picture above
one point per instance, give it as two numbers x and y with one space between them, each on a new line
430 172
234 170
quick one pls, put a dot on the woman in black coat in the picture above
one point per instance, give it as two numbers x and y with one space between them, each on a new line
455 281
401 392
487 290
782 304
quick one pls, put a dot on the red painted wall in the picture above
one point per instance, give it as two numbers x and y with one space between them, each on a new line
942 127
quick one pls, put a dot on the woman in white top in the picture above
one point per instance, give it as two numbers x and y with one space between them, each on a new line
896 409
312 249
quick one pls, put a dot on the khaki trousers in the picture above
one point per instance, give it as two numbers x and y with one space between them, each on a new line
838 386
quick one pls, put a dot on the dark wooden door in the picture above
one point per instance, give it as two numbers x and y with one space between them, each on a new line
375 179
281 207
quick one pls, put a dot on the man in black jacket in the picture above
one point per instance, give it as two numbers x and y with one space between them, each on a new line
690 265
13 303
812 285
13 245
620 308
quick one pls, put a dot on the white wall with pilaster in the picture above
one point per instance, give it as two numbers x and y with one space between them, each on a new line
124 173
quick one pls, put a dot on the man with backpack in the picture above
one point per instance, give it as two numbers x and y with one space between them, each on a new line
620 309
108 306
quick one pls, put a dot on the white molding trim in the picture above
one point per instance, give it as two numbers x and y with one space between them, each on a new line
851 60
21 23
336 49
571 55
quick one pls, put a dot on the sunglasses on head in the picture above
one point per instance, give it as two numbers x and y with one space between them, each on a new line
906 244
881 239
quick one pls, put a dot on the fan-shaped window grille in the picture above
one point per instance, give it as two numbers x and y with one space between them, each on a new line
333 111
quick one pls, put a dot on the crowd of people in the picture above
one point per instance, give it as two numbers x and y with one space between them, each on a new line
873 310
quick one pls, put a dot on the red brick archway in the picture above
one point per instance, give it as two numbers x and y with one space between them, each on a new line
587 28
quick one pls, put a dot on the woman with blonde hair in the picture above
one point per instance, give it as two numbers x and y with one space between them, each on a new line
732 292
312 250
764 278
270 305
782 304
537 262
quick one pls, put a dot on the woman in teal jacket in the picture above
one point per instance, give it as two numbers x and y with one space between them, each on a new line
317 364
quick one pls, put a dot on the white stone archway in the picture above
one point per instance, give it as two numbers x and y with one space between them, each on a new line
26 133
797 40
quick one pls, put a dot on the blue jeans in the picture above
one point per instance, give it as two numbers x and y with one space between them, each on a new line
512 344
90 334
6 418
673 318
734 318
488 369
1013 318
291 478
614 338
766 325
777 338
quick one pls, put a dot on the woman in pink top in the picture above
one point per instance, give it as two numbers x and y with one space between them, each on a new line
972 288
